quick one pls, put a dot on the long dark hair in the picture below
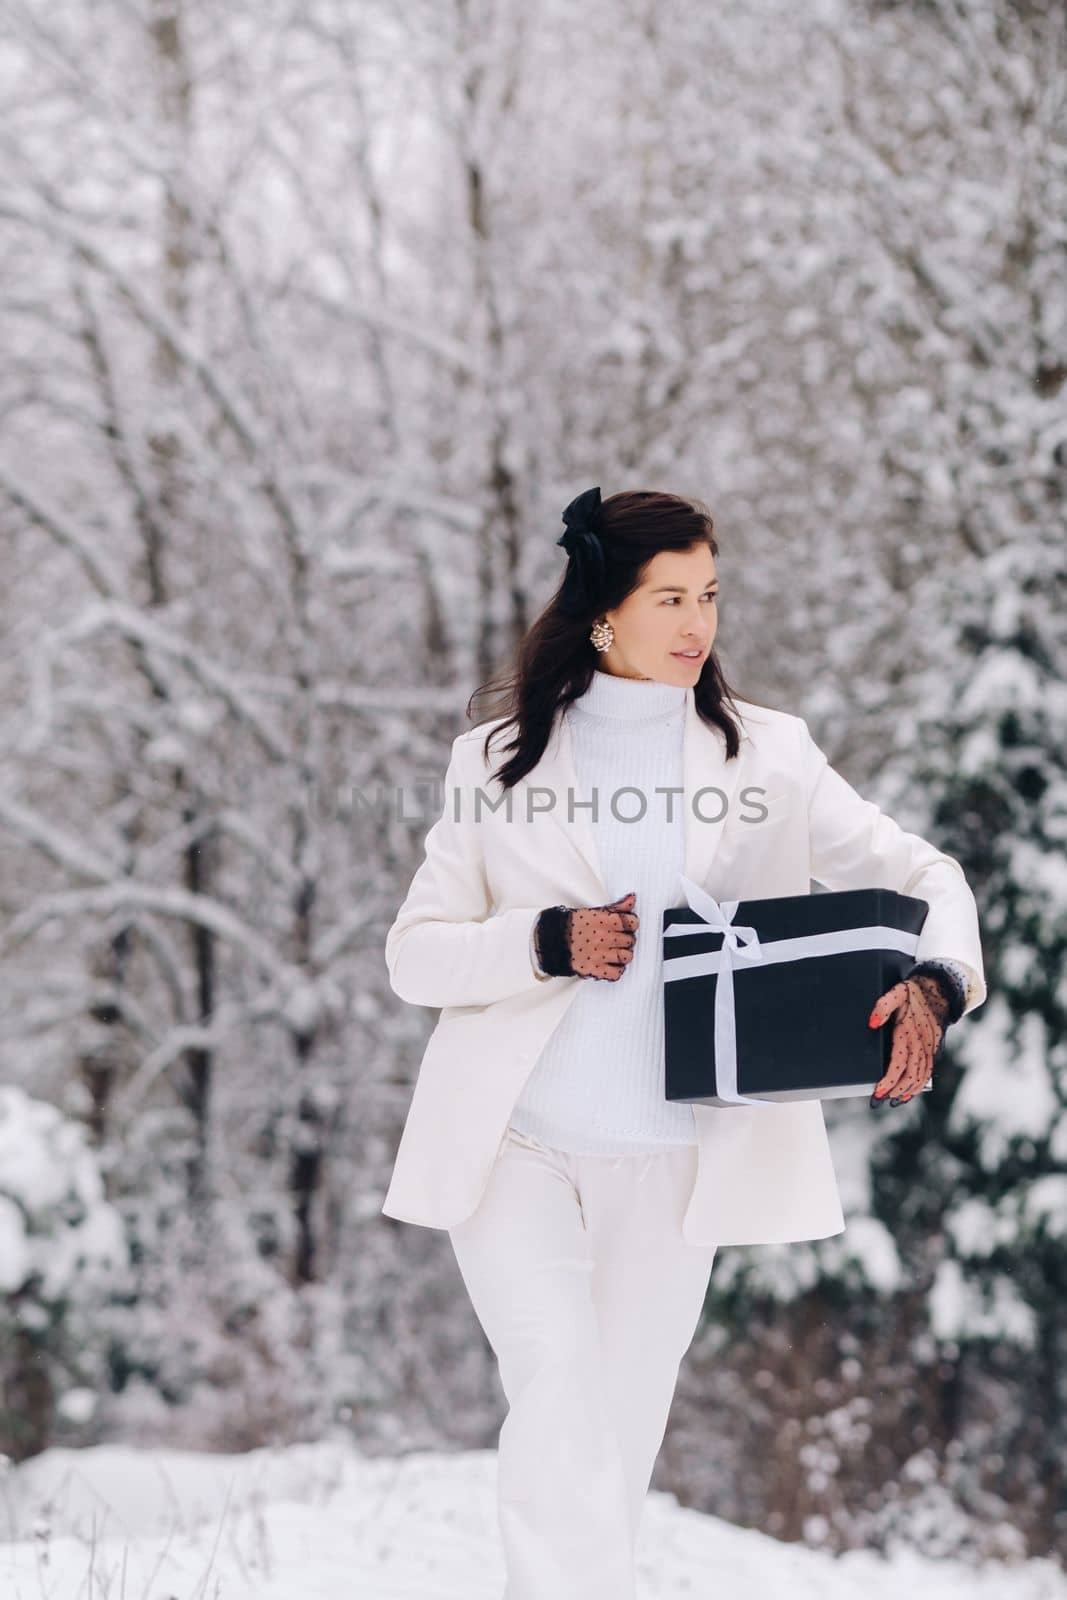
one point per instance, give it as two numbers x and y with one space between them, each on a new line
555 660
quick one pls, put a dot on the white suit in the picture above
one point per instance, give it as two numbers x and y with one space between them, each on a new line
461 942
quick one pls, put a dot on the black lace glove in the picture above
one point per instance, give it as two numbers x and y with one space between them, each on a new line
587 941
923 1006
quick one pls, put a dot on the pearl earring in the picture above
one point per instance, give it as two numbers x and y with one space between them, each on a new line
602 635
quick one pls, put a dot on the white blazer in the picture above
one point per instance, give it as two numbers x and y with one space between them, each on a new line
461 942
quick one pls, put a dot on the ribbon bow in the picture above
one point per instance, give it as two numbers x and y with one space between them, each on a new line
585 569
738 941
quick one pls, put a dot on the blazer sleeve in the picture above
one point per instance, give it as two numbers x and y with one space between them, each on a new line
446 946
854 845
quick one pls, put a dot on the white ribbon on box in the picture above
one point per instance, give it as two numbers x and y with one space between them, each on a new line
740 943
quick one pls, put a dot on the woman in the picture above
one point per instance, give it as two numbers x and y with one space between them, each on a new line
583 1208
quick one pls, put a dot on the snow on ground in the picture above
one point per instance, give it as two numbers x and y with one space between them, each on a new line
320 1522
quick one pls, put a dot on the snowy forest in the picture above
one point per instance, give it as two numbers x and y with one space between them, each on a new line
313 318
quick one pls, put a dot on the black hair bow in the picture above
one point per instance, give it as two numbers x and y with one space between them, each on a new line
585 569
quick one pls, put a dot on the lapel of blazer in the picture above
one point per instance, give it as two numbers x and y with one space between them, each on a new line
708 778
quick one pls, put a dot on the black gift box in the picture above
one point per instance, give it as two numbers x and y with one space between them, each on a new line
801 1024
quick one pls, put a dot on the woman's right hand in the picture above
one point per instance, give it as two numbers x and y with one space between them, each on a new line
588 941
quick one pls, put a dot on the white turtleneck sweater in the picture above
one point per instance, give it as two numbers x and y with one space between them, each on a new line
598 1086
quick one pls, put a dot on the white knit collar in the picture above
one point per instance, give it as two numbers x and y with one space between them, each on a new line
630 699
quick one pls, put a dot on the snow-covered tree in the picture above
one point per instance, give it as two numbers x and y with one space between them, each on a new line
62 1252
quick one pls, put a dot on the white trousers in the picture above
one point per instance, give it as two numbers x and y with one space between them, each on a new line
589 1297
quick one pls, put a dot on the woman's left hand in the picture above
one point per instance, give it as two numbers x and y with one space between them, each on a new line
919 1010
